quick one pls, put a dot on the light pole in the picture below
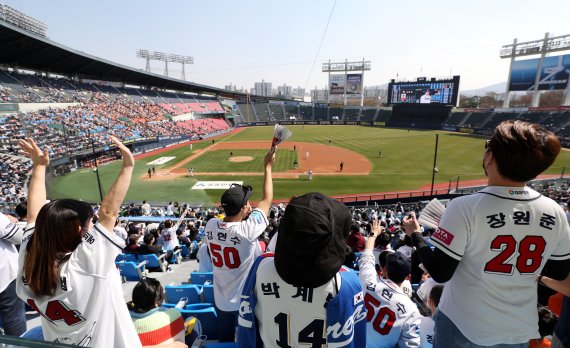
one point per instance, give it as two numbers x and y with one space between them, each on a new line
434 170
96 170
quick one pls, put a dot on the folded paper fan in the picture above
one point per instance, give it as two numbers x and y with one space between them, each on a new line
432 213
280 134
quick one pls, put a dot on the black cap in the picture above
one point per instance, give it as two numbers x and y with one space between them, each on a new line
234 198
311 244
398 265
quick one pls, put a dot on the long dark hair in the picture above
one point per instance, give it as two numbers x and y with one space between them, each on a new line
59 228
146 294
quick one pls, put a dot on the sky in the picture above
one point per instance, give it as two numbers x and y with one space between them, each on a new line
242 42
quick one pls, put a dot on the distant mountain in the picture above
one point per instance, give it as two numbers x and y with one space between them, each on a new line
496 88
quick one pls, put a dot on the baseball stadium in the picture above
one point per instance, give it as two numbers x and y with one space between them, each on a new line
139 207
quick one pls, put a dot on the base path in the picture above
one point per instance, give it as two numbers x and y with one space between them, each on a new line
321 160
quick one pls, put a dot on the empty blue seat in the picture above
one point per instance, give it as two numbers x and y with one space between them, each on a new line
208 318
184 251
208 293
126 257
201 277
153 261
175 292
131 271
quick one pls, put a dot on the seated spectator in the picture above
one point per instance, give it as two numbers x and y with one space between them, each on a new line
146 209
154 325
355 239
385 298
149 247
427 324
302 295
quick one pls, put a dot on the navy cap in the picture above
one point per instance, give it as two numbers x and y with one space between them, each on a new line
234 198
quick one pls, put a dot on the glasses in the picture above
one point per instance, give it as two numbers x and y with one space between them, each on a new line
487 143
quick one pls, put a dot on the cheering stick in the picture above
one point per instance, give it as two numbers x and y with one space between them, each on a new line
280 134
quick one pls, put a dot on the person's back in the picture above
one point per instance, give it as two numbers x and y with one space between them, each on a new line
169 237
393 319
301 295
233 245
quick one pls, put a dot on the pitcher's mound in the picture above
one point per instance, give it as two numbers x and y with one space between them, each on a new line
240 159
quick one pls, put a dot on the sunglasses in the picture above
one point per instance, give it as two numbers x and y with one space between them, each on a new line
246 189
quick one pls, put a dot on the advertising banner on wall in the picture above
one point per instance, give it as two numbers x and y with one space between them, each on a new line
336 84
353 83
553 75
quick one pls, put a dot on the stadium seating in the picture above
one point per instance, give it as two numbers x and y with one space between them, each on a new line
131 271
175 292
276 111
306 112
383 115
455 118
201 277
208 293
292 111
351 114
476 119
321 113
208 318
368 114
154 262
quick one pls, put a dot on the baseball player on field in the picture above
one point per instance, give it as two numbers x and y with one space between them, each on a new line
233 245
492 245
393 319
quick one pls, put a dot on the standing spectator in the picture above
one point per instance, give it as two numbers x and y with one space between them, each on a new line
501 237
233 245
119 230
12 313
355 239
64 256
170 210
145 209
384 298
22 212
427 324
303 295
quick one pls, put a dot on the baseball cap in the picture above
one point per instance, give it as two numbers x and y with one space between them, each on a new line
398 265
311 243
234 198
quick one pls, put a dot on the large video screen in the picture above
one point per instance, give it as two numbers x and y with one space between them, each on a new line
440 91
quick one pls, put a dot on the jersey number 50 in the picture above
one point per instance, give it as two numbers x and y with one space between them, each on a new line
228 256
530 250
385 317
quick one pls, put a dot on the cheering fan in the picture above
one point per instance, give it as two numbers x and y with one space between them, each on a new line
280 134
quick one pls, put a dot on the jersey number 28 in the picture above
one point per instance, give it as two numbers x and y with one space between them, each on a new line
530 250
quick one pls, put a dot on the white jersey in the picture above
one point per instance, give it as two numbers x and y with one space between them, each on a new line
502 237
233 248
10 234
427 332
281 305
169 238
88 308
205 264
392 317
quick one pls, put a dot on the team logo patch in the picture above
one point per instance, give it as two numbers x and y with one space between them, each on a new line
257 218
518 192
358 298
443 236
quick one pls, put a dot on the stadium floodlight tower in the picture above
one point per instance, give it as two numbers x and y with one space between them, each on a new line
348 83
550 73
166 58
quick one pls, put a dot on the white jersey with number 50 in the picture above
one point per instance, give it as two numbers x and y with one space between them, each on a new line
233 249
502 237
393 319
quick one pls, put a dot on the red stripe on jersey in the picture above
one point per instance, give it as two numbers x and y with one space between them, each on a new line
162 334
443 236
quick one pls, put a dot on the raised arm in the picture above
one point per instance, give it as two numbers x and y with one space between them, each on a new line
267 196
37 190
109 210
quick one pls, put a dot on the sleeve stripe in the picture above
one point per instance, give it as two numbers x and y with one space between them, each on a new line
12 232
105 235
439 245
563 255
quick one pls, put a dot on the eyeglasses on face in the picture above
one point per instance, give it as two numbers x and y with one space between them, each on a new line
487 143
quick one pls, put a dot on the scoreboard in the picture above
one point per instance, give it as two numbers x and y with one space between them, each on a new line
422 91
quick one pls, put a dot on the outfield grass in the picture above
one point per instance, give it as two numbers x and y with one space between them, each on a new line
406 164
217 161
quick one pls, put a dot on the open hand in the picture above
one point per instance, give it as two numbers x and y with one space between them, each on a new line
32 151
376 227
128 158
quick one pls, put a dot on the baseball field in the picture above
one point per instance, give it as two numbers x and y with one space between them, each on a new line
374 160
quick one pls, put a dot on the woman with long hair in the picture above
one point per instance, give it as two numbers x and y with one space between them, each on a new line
67 267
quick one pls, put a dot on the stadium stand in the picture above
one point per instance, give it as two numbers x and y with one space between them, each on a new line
276 111
456 118
336 114
351 114
262 112
292 111
476 119
383 115
321 113
368 114
306 112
